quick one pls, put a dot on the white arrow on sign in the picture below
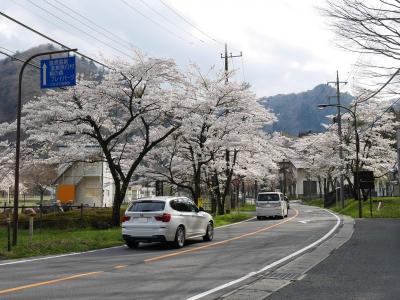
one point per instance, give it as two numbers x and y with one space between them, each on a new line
44 73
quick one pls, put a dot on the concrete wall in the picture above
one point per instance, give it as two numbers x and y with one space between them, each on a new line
89 191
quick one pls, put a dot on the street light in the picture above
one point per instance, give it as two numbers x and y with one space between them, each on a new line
356 183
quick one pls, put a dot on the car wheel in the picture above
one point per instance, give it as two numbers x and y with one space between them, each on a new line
209 233
180 237
132 244
259 218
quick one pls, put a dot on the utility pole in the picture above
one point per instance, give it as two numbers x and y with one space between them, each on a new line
225 57
227 152
339 121
398 158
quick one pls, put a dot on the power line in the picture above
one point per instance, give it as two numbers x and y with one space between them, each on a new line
52 40
18 59
15 53
95 24
190 23
155 22
169 21
23 61
77 28
83 23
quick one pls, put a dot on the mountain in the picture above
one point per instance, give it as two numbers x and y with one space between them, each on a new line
299 113
9 72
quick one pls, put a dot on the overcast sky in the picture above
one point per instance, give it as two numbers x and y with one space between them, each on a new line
287 45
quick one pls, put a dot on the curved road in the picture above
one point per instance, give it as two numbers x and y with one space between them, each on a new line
157 271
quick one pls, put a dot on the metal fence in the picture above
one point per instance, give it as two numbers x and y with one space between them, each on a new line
58 216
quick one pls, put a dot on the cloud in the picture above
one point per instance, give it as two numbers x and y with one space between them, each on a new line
286 46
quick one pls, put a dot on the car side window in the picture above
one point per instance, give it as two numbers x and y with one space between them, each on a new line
180 205
183 205
193 207
173 204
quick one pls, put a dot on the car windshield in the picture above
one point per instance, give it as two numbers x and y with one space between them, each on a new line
268 197
147 205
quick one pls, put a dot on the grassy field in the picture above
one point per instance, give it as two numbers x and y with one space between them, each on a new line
55 241
390 207
247 207
27 201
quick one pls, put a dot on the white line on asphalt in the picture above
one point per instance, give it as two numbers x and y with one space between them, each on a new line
55 256
274 264
304 221
91 251
223 226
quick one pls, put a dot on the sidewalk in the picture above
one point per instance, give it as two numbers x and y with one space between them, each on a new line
270 282
366 267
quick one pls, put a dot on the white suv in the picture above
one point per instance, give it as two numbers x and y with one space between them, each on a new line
271 204
165 219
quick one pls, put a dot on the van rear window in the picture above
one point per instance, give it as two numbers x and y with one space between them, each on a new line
147 205
268 197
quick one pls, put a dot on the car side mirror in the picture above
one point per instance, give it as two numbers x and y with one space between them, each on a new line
201 209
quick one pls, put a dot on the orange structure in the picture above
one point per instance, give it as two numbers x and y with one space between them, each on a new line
66 193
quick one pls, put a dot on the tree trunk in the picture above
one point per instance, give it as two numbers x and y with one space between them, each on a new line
217 193
197 186
352 187
119 196
233 198
320 187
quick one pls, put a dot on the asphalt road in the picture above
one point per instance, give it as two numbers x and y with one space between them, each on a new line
366 267
157 271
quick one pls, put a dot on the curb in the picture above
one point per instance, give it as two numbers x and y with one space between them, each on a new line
265 284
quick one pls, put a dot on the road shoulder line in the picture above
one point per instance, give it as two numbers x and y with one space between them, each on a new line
260 273
40 258
296 269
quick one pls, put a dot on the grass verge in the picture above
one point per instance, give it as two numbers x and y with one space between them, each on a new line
57 241
389 207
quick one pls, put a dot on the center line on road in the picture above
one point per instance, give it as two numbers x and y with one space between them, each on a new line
33 285
219 243
120 267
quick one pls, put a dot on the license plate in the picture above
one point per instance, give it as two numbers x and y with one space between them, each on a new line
141 220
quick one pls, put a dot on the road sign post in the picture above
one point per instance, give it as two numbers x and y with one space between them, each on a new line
18 139
58 72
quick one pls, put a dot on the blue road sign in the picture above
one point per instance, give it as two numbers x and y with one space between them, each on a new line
57 72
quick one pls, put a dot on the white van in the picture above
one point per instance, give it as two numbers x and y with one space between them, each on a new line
271 204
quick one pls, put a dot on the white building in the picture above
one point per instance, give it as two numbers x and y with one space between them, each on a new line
92 184
306 184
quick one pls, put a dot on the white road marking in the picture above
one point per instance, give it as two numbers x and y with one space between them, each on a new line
223 226
304 221
91 251
55 256
274 264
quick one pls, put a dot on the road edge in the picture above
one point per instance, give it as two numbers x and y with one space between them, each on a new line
6 262
260 284
269 282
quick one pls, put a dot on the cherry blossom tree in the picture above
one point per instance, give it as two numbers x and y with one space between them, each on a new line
119 120
376 124
223 125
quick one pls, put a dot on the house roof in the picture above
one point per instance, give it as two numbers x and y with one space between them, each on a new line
300 164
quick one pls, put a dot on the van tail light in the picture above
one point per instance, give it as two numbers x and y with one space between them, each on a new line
163 218
126 218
